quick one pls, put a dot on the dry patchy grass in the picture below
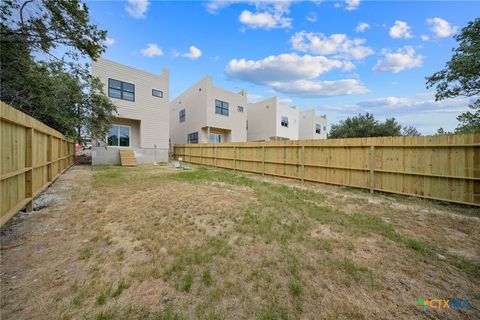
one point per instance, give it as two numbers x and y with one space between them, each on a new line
152 243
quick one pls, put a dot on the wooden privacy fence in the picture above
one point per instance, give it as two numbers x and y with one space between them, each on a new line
32 156
434 167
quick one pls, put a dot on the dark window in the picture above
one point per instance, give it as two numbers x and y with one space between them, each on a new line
181 115
121 90
284 121
240 109
119 136
157 93
221 107
192 137
318 128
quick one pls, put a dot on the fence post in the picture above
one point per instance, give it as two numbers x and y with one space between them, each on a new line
303 163
50 158
263 161
372 168
201 154
234 158
216 156
29 173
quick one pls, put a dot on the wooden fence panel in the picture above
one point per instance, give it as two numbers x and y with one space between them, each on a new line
32 156
435 167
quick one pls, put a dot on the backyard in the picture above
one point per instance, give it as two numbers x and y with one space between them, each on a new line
152 242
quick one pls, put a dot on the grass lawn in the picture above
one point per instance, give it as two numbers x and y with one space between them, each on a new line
152 243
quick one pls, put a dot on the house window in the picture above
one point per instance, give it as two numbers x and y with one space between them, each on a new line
119 136
192 138
181 115
215 138
157 93
240 109
324 128
318 128
284 121
121 90
221 107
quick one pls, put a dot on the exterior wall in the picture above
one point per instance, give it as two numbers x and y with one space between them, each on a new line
193 100
111 155
151 111
261 120
308 119
199 104
264 121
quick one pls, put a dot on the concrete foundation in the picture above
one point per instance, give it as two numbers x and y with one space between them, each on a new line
111 155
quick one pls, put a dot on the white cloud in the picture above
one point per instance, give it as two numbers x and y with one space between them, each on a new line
441 28
193 53
281 68
400 60
152 50
400 29
109 41
362 26
352 4
137 8
312 16
424 37
338 44
253 98
317 88
264 20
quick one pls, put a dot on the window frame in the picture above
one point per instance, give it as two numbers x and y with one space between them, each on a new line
318 128
189 140
118 135
284 121
182 116
224 108
219 135
156 90
122 89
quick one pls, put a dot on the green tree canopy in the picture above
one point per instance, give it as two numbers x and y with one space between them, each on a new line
57 90
365 126
461 76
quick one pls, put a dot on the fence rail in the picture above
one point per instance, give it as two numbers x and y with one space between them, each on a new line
32 156
434 167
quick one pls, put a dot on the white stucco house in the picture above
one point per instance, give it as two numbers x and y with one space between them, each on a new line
312 126
206 113
268 120
142 123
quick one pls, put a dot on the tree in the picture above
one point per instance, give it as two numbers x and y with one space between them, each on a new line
461 76
410 131
58 91
441 132
364 126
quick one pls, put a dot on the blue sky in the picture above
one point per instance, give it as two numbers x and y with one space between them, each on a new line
339 57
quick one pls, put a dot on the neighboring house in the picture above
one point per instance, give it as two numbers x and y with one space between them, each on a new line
268 120
205 113
142 123
312 126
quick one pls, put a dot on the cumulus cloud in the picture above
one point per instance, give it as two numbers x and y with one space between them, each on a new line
265 20
400 60
137 8
152 50
295 74
284 67
109 41
362 26
193 53
318 88
424 37
338 44
352 4
441 28
400 29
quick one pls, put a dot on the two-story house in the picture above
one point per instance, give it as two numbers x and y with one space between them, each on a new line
142 123
205 113
269 120
312 127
